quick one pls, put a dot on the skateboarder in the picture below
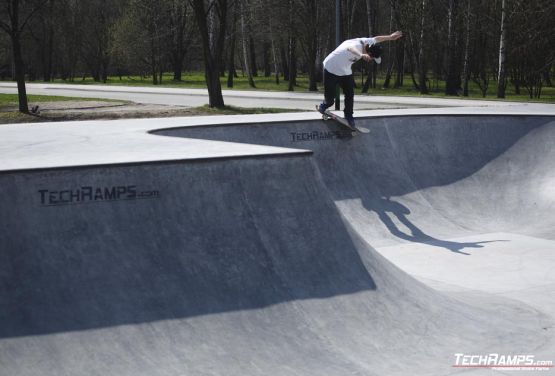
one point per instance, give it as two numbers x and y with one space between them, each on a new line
337 69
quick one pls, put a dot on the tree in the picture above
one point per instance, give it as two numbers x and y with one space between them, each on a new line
43 33
143 33
99 19
421 58
232 46
211 16
452 84
70 38
501 72
181 27
531 52
466 62
309 26
249 64
371 19
481 62
292 48
15 16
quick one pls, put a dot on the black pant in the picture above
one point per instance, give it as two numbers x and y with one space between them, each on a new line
347 84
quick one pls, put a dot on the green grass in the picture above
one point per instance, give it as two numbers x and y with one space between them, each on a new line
196 80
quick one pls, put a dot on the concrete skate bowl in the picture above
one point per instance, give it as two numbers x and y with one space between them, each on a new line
266 265
452 175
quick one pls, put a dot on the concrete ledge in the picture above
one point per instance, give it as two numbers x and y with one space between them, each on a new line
116 142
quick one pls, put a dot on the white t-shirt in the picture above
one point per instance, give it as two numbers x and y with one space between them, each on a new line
340 60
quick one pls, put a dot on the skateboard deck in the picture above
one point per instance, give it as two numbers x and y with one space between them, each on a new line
327 115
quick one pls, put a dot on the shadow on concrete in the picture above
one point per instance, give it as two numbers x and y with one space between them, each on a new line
398 157
221 237
387 210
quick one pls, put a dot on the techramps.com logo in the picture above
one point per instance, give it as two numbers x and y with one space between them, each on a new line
502 362
93 194
319 135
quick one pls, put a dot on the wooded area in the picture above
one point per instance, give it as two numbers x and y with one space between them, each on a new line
493 43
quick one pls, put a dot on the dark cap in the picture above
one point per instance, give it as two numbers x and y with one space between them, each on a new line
375 51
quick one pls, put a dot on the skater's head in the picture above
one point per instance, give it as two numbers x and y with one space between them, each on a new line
375 51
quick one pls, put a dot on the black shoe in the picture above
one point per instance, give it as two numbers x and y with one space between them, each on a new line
322 108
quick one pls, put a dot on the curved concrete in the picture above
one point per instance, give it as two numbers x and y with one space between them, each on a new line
272 262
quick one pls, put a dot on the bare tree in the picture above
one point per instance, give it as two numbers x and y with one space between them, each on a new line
466 63
308 27
501 72
232 46
99 18
211 16
14 18
292 47
181 28
371 9
452 84
421 58
245 39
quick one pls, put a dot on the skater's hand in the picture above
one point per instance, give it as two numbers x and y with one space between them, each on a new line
396 35
366 58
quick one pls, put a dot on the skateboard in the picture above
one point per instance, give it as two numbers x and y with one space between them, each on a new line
327 115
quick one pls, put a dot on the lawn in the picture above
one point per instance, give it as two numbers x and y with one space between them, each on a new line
196 80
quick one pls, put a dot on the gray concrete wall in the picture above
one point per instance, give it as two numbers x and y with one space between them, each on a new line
249 266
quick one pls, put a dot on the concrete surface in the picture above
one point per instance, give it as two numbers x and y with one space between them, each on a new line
277 245
241 98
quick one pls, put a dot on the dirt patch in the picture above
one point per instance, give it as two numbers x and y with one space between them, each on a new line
92 110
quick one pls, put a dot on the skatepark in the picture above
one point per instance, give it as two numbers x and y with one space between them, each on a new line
279 244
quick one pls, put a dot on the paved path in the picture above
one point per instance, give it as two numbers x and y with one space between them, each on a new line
199 97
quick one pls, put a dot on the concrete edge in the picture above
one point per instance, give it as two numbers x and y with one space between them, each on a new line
292 154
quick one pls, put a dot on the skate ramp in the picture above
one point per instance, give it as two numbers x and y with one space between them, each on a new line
255 266
451 175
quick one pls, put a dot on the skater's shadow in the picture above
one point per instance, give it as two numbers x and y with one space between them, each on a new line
387 210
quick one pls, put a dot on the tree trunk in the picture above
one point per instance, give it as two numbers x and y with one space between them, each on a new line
50 44
400 63
211 52
370 76
292 50
284 62
13 29
274 54
266 55
312 86
421 58
231 62
292 63
453 81
177 70
501 73
546 77
20 74
388 74
231 59
245 48
153 69
466 67
252 51
178 28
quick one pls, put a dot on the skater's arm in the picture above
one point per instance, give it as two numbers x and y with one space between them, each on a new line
384 38
359 54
